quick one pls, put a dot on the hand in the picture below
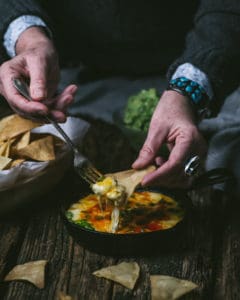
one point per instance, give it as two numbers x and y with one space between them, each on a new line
37 61
173 123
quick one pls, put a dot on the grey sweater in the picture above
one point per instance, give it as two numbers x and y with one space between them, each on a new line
142 37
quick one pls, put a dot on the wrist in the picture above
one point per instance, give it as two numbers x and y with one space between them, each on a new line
32 37
194 92
179 105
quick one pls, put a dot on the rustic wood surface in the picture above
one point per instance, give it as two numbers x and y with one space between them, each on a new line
207 252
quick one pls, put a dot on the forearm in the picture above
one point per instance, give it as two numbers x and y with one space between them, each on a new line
213 46
11 10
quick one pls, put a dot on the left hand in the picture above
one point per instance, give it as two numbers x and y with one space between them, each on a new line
173 123
36 60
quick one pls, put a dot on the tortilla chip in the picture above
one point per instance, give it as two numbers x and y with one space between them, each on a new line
125 273
33 271
3 148
14 125
8 146
169 288
4 162
40 150
63 296
130 179
15 162
23 141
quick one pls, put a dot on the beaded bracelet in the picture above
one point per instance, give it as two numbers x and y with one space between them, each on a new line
192 90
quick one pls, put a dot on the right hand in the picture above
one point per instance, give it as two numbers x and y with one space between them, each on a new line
173 123
36 60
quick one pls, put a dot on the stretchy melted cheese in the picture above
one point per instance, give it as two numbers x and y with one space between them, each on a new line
109 188
144 212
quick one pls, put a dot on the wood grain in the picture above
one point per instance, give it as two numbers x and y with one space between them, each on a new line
205 252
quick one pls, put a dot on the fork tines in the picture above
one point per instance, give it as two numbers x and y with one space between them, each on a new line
90 174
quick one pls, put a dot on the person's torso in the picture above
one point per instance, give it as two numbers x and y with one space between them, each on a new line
122 36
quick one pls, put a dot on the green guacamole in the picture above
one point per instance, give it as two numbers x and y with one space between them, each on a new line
139 109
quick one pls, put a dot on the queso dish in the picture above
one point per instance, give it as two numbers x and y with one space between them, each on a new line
151 220
145 211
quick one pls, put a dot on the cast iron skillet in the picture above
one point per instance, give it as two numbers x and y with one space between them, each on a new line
147 242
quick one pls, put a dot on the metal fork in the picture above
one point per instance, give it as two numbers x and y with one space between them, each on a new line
82 165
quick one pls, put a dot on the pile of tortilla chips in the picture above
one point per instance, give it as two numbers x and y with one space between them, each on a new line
18 144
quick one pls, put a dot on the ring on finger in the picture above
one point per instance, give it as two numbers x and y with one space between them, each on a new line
192 166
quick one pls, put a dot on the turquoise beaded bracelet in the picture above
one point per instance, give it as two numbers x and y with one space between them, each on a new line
192 90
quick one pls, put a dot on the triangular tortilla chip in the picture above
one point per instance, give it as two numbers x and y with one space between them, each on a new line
33 271
14 125
125 273
130 179
169 288
4 162
40 150
23 141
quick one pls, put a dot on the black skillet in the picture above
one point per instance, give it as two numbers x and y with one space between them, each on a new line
148 242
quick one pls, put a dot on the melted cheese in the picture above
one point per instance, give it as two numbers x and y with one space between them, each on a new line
144 212
109 188
104 186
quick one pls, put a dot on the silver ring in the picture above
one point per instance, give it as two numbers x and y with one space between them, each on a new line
192 165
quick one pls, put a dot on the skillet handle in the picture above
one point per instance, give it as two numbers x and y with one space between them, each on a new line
214 176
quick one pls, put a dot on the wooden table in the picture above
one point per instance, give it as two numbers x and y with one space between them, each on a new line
207 253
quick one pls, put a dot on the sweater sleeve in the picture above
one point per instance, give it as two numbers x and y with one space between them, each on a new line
11 10
213 46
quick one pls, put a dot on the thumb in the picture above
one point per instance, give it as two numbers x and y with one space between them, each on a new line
150 149
38 80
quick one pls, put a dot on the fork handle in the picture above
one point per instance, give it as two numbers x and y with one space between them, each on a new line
62 132
22 87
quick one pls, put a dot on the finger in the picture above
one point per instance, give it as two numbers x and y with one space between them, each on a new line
58 116
20 103
24 106
71 89
159 161
179 180
38 78
173 165
149 149
63 100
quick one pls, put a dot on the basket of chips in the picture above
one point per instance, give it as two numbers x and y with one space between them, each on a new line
33 158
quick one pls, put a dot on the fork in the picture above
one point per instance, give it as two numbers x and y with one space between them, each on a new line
82 165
